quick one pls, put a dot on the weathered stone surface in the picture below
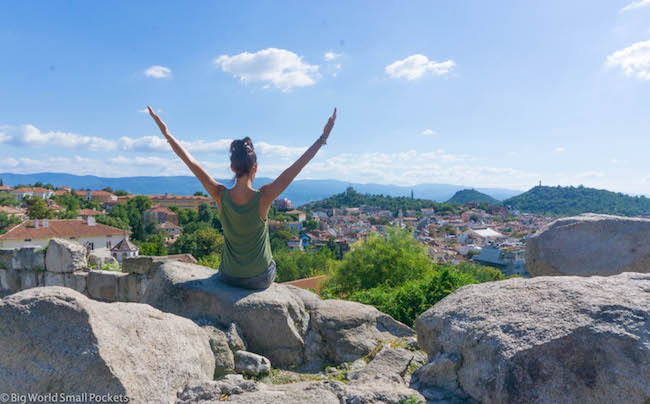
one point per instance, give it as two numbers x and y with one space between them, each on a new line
31 258
251 364
310 299
143 264
101 257
53 279
65 256
13 280
223 356
6 258
273 321
103 284
589 245
56 340
76 281
3 280
545 339
343 331
235 341
130 288
390 364
30 279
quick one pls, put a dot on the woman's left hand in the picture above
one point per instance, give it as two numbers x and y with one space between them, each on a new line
161 124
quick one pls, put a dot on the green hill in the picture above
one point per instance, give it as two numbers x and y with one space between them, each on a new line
569 201
471 195
352 199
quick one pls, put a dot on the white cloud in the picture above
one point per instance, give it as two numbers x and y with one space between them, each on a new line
633 60
429 132
31 136
146 144
636 4
279 68
560 149
329 56
158 72
415 66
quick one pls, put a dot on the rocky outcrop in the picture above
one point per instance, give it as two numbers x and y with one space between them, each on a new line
273 321
251 364
343 331
102 258
589 245
65 256
287 325
381 381
544 340
55 340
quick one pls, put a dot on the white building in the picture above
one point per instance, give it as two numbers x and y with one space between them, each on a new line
125 249
43 193
37 233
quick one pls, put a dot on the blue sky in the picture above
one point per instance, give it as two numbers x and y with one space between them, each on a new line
477 93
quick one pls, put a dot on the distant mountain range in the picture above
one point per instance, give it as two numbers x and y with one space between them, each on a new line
299 192
472 195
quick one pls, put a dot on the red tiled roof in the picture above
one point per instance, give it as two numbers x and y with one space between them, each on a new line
90 212
170 226
37 190
61 193
5 188
101 193
61 229
12 211
158 208
179 197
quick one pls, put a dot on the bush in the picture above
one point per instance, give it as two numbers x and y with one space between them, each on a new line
298 265
407 301
389 260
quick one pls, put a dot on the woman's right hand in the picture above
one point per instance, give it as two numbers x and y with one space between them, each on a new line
328 127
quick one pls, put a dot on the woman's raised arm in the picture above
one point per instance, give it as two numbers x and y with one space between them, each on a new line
271 191
214 188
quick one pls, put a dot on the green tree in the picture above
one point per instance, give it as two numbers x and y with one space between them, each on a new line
6 222
37 208
141 203
298 264
200 243
387 260
7 199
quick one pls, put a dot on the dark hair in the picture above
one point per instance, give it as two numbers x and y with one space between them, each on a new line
242 156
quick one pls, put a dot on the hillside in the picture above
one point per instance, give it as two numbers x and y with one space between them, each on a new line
299 192
351 198
569 201
472 195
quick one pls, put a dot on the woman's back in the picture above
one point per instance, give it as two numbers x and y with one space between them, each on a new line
247 248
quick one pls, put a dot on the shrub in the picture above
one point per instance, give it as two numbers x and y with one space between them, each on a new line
389 260
407 301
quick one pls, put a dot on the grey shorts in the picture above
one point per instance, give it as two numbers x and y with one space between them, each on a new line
261 281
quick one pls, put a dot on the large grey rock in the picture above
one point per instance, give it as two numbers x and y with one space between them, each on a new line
343 331
131 287
65 256
30 279
12 280
103 285
144 264
30 258
390 364
589 245
53 279
55 340
543 340
310 299
77 281
223 356
251 364
273 321
102 257
6 258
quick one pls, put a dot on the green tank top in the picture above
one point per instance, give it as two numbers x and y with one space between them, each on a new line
247 248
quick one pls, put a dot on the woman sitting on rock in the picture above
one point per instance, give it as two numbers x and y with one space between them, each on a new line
247 261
